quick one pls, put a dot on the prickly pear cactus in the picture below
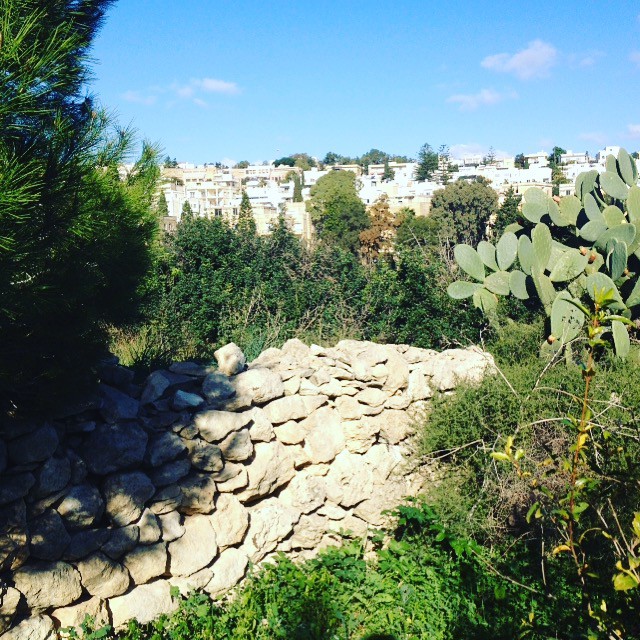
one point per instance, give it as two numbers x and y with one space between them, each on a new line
567 252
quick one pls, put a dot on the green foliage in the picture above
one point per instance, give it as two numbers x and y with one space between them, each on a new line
427 163
508 213
246 222
336 211
583 246
462 210
162 207
75 235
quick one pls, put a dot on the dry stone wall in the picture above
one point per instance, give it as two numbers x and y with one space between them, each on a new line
201 472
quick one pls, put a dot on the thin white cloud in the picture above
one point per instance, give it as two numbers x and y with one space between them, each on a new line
634 56
474 149
191 91
211 85
585 59
633 130
484 97
593 136
139 98
533 62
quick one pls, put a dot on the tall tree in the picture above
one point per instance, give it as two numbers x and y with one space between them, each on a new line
187 211
162 206
520 162
427 163
377 240
444 164
388 174
490 158
297 188
74 233
336 211
462 210
246 221
508 213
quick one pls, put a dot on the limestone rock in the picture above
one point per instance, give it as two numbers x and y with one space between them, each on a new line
350 480
398 376
191 369
372 396
305 492
229 521
103 577
85 542
82 507
271 467
350 409
52 477
360 434
292 385
382 460
34 628
48 584
9 602
395 426
159 382
116 406
171 526
228 570
15 486
144 603
230 359
237 446
194 550
262 385
198 491
36 446
74 615
126 495
217 387
168 498
454 366
308 533
149 528
205 456
170 473
325 436
49 538
164 448
121 541
270 522
146 563
296 349
195 582
260 428
112 447
292 408
183 400
290 432
215 426
238 481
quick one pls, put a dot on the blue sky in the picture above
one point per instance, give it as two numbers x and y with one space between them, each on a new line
214 80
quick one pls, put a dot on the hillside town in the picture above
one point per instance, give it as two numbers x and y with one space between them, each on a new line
215 190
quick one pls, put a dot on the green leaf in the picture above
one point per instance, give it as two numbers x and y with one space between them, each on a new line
633 204
514 227
622 233
525 254
634 296
625 167
541 241
469 260
613 216
507 250
534 194
545 289
624 582
618 260
599 283
620 339
570 265
518 285
533 211
487 253
498 283
485 300
570 208
461 289
592 209
556 214
613 185
593 230
499 455
567 319
585 183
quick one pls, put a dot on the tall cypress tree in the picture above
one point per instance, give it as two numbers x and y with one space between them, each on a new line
74 234
246 221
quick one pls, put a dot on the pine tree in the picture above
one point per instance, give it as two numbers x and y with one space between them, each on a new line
388 174
297 189
246 221
163 207
187 211
427 163
74 235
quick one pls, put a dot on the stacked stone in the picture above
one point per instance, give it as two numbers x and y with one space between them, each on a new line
200 473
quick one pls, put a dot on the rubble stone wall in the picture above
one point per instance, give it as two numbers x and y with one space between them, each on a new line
201 472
